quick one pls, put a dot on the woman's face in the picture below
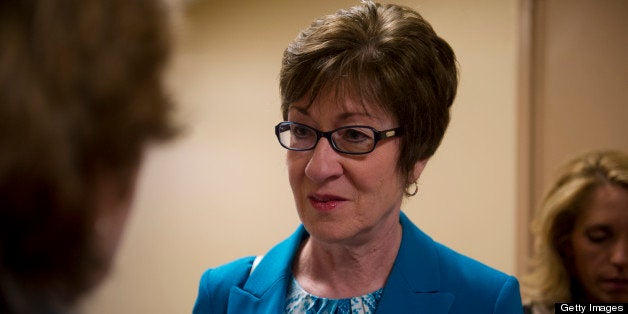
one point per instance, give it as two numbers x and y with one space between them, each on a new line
112 200
600 245
344 198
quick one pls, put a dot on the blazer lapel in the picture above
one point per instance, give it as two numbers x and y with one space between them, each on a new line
242 301
412 287
414 282
406 302
265 290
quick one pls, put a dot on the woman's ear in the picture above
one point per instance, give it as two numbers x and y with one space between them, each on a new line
417 170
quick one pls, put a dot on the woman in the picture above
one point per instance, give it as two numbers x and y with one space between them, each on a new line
366 95
581 235
80 99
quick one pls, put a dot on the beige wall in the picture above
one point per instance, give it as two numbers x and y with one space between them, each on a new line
221 192
580 101
574 92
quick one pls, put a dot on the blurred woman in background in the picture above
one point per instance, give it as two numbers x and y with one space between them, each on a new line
581 235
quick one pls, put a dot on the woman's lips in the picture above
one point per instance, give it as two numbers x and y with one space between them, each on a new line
325 202
616 284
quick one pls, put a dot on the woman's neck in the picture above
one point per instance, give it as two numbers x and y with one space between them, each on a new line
335 271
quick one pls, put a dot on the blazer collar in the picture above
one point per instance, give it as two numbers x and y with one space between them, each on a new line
413 284
265 290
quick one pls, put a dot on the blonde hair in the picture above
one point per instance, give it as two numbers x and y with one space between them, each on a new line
550 281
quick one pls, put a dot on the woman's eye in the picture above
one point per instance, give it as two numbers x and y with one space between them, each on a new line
356 135
598 235
300 131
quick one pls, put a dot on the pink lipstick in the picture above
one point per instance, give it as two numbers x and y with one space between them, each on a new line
325 202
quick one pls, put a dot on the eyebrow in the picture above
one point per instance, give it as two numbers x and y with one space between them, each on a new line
342 117
300 110
598 226
605 228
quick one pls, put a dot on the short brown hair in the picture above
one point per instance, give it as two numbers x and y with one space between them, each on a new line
389 56
80 93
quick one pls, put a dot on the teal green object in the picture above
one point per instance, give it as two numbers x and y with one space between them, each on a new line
427 277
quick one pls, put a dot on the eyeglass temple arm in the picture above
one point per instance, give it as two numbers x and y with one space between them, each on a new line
389 133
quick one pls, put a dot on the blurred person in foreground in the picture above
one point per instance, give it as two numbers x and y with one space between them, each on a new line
81 96
365 96
581 235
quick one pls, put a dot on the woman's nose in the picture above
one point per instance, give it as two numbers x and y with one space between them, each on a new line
619 255
324 162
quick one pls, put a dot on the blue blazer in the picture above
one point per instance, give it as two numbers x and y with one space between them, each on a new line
426 277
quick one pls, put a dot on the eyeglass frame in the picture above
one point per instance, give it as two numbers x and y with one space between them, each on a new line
377 136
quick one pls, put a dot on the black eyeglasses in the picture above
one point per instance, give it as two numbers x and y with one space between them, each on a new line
352 139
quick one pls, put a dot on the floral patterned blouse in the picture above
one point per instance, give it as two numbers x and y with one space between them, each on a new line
298 301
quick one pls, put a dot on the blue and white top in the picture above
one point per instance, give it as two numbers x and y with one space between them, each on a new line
298 301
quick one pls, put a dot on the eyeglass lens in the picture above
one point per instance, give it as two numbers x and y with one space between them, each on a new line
353 139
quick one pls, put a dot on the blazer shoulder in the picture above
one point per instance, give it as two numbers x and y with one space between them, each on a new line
467 267
216 283
479 281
